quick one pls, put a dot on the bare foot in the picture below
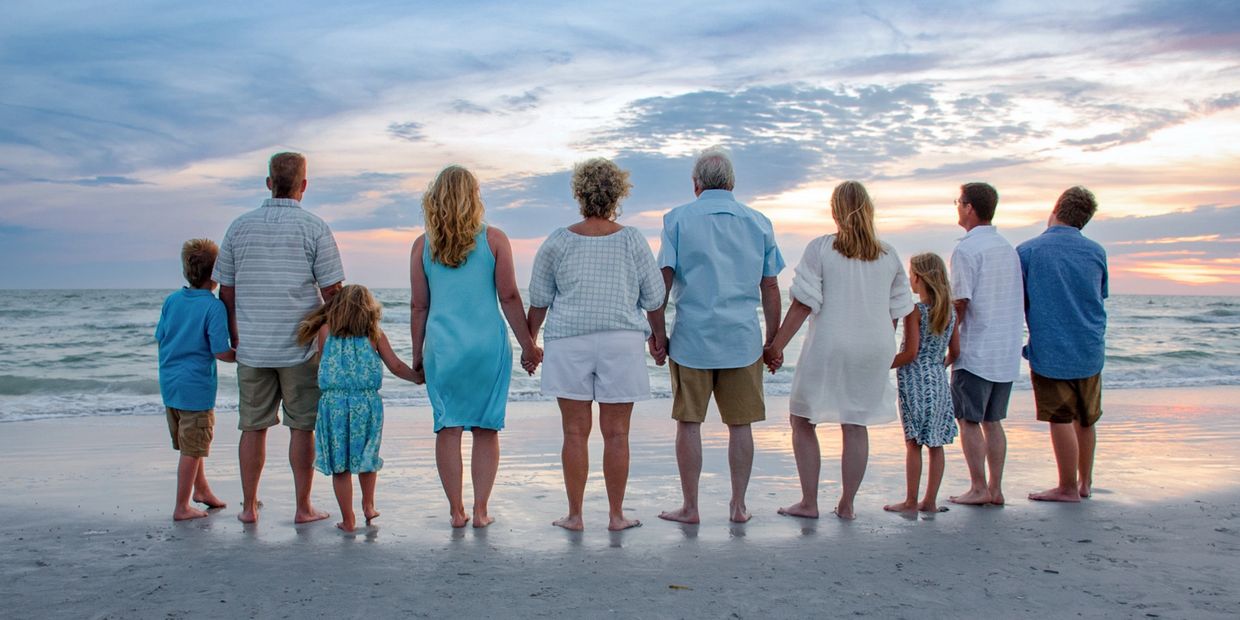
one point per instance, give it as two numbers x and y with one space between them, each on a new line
310 516
740 514
210 500
904 506
185 513
1056 494
1086 490
800 509
370 513
683 515
482 520
570 523
845 514
346 526
996 497
248 516
930 507
459 520
619 523
971 498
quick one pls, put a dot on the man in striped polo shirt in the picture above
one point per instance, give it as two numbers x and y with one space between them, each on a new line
277 263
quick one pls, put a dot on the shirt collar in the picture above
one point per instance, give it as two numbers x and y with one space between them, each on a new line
281 202
982 229
1061 229
195 292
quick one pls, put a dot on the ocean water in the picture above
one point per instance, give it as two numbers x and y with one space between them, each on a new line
67 353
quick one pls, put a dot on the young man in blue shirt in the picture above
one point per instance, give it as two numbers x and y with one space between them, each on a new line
1065 277
192 334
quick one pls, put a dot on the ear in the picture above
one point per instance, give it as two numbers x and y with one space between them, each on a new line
269 183
304 184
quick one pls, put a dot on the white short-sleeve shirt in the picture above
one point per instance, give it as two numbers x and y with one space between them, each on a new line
985 270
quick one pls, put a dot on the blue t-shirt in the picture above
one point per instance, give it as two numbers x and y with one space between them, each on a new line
193 327
1065 284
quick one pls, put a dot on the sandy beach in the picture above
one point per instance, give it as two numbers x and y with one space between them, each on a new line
85 528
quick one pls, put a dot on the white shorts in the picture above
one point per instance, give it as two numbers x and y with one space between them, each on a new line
606 367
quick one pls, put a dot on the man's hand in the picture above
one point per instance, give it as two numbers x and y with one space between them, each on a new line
658 349
531 358
773 358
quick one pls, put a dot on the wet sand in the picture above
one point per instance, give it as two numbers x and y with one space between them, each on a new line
85 528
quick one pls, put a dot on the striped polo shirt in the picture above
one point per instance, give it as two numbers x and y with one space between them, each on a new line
277 257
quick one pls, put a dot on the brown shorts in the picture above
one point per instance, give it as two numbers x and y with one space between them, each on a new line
738 393
261 390
1064 401
191 431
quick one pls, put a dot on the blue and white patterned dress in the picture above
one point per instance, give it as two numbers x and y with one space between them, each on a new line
350 424
925 395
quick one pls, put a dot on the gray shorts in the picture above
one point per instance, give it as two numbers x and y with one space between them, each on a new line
978 400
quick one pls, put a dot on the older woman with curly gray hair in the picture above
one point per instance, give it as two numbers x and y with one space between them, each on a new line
592 281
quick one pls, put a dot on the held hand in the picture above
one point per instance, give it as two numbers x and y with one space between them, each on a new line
658 349
773 358
531 358
419 371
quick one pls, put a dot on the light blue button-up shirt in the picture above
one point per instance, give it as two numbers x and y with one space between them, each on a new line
720 250
1065 277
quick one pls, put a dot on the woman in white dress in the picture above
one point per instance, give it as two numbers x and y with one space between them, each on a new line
853 289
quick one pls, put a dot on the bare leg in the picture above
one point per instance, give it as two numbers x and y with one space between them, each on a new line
483 467
689 461
996 454
367 481
301 459
1063 440
187 471
912 478
342 484
252 453
852 466
202 490
973 445
808 456
614 420
575 417
451 472
934 478
1086 441
740 463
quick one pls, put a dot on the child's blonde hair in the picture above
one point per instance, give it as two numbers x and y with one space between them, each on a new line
198 260
351 312
930 269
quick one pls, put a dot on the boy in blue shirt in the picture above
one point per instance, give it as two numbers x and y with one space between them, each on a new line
192 334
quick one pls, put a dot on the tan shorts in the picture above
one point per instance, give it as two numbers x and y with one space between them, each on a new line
738 393
261 390
192 431
1064 401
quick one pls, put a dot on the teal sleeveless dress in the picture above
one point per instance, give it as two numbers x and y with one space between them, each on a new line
467 356
350 423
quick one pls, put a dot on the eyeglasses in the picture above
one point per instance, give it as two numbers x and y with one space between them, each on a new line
959 203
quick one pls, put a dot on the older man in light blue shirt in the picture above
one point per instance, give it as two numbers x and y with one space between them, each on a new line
719 261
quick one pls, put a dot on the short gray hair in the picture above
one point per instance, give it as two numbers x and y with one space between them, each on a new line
713 169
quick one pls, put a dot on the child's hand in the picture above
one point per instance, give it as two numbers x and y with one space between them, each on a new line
419 372
773 358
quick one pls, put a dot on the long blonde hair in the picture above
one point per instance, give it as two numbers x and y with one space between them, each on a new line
931 270
452 208
854 216
351 312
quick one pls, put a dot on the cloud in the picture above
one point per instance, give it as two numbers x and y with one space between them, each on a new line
464 106
889 64
523 102
409 131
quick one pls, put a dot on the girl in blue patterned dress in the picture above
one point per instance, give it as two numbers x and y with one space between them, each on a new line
930 345
350 421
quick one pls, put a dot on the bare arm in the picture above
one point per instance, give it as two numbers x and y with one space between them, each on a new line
770 306
953 348
419 302
397 366
535 320
330 291
227 356
321 340
961 306
774 352
658 343
912 340
228 295
510 296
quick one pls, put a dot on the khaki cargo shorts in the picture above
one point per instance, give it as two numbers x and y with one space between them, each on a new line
1064 401
261 390
192 431
738 393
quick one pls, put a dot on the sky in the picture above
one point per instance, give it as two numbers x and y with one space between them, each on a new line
127 128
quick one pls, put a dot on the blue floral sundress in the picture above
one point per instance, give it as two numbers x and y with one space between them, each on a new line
350 424
925 395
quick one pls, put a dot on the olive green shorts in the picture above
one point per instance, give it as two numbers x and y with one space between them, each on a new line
738 393
261 390
1064 401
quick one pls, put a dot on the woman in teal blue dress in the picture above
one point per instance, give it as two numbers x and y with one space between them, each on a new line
457 271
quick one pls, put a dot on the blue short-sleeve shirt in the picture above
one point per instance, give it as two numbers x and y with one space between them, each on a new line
1065 277
193 327
720 250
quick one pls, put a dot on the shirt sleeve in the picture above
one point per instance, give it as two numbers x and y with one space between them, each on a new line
542 277
772 259
652 290
807 285
328 269
962 273
225 270
901 292
1106 288
667 245
217 328
160 330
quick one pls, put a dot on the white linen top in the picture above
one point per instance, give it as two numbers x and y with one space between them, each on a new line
844 372
985 270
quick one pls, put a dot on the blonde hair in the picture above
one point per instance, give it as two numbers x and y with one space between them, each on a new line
198 260
452 208
351 312
929 267
599 185
854 216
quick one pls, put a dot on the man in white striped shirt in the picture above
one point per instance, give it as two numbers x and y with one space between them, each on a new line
277 263
988 291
